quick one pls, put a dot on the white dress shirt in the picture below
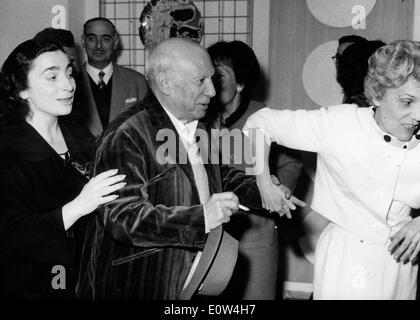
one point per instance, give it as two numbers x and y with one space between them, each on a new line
94 72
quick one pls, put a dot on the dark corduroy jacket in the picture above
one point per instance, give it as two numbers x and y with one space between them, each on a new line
142 245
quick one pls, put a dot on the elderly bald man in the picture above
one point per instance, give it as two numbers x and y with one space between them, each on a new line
143 245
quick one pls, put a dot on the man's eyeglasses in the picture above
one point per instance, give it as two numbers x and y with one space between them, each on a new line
336 57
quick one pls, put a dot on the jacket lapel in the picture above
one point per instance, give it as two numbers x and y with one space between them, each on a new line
161 121
119 93
31 146
93 122
28 143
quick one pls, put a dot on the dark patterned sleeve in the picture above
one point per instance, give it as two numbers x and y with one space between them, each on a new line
244 186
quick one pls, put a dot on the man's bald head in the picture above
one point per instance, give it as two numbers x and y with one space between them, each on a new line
179 72
172 54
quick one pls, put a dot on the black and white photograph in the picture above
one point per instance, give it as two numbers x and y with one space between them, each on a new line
209 158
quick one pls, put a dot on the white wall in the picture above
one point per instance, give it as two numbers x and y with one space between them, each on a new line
85 10
416 28
261 30
22 19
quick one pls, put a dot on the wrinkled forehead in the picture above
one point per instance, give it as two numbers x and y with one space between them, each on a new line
197 64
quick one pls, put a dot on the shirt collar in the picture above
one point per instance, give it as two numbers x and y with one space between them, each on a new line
94 72
186 130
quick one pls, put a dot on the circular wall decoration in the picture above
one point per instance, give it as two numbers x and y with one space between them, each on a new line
319 74
339 13
163 19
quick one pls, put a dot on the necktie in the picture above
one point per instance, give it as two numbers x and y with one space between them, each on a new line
101 82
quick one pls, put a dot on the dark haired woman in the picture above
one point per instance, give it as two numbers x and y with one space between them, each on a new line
44 188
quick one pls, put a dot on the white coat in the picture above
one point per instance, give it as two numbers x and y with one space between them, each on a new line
365 186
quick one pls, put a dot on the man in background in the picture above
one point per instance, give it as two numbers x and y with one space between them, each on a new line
352 70
343 43
107 89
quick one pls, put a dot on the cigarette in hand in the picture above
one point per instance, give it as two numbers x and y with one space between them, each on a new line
243 208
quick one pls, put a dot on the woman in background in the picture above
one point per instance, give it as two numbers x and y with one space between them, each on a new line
367 179
44 188
236 75
352 67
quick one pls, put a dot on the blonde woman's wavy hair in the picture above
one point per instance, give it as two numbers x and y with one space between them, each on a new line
391 66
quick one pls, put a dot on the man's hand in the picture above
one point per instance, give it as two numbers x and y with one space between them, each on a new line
285 211
219 208
405 244
277 198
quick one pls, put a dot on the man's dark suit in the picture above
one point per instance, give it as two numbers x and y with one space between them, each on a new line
142 245
128 87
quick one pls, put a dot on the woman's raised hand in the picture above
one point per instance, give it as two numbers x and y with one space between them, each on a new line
96 192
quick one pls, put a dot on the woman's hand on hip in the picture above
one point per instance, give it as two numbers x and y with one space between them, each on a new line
405 244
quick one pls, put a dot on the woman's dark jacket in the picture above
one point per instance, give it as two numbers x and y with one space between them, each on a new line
35 183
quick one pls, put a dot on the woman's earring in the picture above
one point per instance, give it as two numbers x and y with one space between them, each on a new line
239 88
24 95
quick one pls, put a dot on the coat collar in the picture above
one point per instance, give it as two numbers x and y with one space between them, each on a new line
24 140
159 121
120 87
158 117
93 121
